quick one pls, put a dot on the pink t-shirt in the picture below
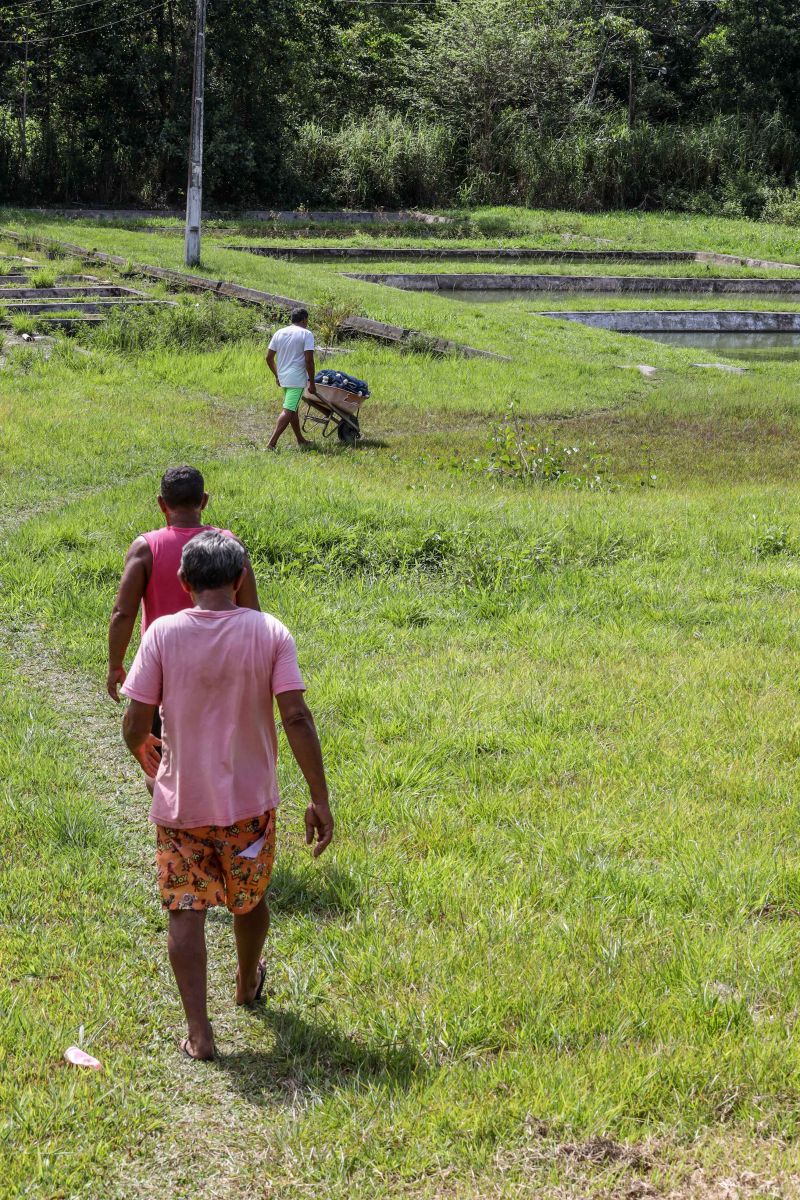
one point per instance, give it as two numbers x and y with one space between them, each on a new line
215 675
164 594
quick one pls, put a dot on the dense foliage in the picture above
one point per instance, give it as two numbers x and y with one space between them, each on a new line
586 103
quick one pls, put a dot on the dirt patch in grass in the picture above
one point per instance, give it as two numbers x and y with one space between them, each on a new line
681 449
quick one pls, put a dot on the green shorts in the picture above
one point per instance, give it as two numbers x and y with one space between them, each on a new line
291 398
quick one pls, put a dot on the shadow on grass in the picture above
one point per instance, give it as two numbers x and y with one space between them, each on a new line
305 892
334 446
313 1056
328 893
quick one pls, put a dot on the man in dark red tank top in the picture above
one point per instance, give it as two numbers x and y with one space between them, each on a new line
150 576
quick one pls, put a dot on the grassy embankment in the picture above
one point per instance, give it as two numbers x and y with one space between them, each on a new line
544 228
561 731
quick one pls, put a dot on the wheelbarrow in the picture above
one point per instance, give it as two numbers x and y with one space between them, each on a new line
334 409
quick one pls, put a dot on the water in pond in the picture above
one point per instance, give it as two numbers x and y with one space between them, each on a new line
754 346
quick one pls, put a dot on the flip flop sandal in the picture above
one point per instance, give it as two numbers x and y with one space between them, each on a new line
262 966
184 1048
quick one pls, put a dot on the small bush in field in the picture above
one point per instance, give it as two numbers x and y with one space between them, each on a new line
23 359
514 453
328 318
22 323
770 540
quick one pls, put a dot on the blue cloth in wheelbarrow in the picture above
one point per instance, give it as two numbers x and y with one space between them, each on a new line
347 383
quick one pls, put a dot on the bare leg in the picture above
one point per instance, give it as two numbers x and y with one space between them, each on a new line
283 423
294 421
251 931
187 956
286 419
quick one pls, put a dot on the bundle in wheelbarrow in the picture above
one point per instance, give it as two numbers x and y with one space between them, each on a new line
336 405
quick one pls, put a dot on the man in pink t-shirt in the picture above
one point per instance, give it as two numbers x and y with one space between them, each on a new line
150 578
215 670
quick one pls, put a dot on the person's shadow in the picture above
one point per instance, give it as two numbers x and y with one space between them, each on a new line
298 890
313 1056
309 1054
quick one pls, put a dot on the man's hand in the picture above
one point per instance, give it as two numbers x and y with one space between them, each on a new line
114 679
312 388
148 757
301 733
319 821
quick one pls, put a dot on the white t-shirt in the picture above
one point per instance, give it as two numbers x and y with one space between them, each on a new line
290 345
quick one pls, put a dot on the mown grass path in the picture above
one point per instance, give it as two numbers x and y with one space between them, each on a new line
553 952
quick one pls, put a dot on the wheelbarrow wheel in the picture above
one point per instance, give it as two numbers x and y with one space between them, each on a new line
349 431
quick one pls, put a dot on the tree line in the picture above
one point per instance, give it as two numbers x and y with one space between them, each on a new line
688 104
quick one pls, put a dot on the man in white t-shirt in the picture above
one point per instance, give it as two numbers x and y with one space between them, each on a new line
291 359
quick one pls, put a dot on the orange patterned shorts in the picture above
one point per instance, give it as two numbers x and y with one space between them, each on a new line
202 868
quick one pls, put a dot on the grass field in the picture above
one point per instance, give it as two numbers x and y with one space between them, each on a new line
553 951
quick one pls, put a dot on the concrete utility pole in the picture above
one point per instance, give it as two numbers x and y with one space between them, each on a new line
194 191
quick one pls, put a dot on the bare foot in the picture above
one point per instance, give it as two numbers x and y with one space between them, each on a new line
201 1049
251 993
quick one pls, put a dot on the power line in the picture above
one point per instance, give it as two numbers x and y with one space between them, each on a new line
41 41
41 12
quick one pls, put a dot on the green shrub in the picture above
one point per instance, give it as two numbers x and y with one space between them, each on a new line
23 359
770 540
189 324
328 317
783 205
22 323
384 159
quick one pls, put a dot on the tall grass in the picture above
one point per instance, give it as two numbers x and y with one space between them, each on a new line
385 159
188 324
727 165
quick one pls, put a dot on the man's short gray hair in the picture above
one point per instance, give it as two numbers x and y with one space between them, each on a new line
212 560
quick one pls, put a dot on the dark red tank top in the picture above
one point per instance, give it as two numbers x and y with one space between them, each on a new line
164 594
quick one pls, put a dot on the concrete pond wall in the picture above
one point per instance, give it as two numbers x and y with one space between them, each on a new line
500 254
582 283
684 321
467 254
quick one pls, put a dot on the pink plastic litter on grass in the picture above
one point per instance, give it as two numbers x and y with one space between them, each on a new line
79 1058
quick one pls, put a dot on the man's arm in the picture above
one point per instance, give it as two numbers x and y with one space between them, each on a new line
247 595
137 726
271 365
311 370
135 575
301 734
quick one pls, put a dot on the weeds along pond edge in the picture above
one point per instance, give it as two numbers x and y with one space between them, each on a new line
381 330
